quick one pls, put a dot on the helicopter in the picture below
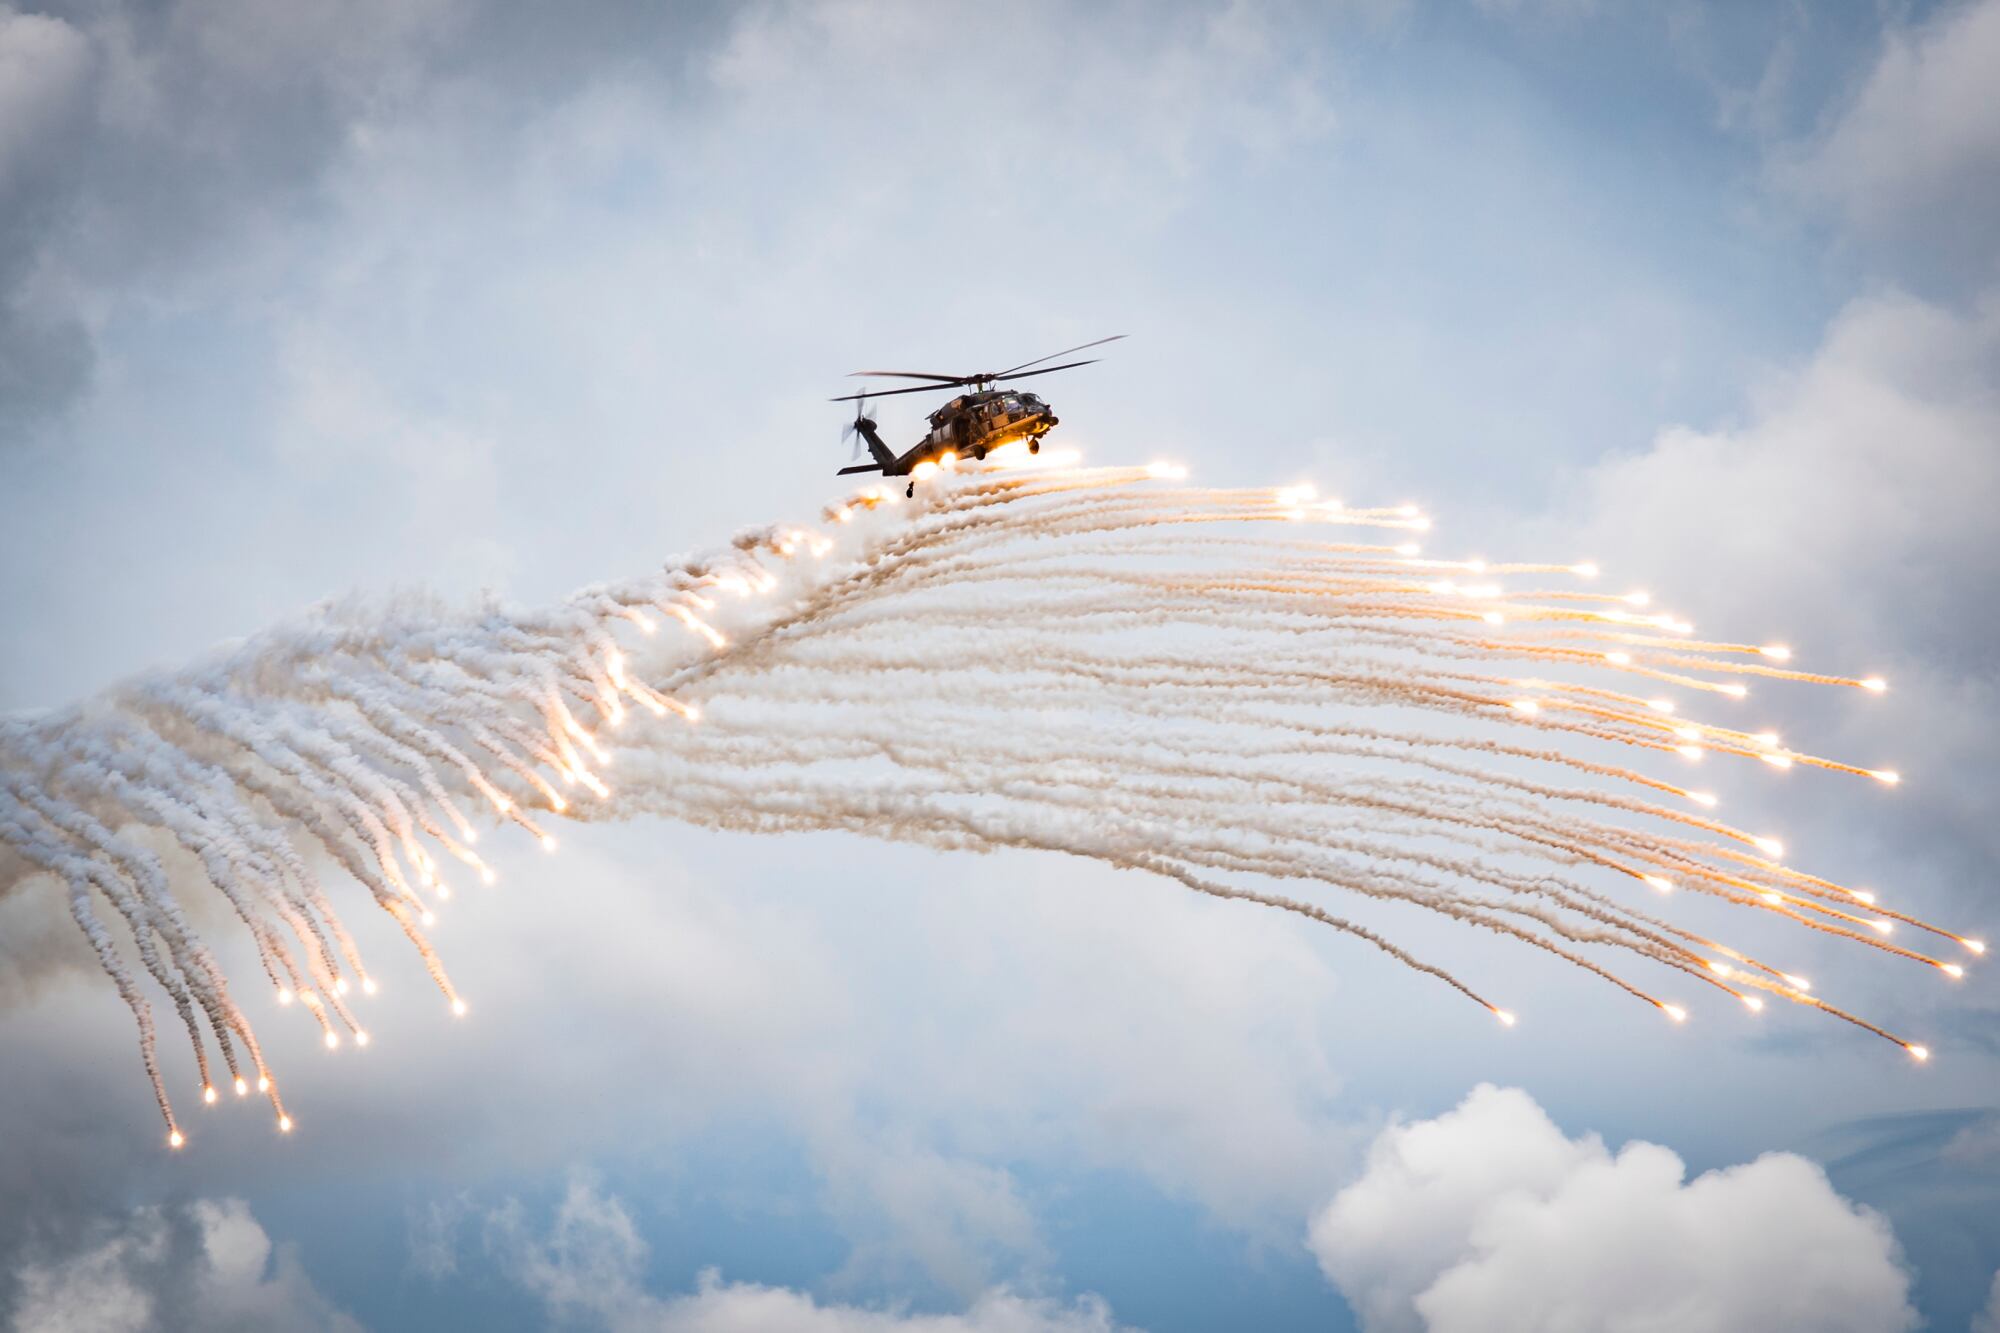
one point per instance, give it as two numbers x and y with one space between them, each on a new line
971 423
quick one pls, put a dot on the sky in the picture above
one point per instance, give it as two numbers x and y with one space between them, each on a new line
305 300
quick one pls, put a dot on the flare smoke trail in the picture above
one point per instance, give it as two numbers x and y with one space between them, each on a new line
1256 694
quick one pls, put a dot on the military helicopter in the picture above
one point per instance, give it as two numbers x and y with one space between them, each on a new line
971 423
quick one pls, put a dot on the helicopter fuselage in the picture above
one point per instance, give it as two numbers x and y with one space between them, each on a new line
969 426
976 423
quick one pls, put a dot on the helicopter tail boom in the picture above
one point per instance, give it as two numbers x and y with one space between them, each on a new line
885 457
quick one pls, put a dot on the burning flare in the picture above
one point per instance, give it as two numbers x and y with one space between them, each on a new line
1255 694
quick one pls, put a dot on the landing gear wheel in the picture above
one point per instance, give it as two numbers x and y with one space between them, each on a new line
1034 446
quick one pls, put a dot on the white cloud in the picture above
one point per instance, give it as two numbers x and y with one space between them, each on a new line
930 1037
1851 516
1988 1320
433 1231
588 1266
212 141
905 1202
1489 1218
1151 1036
1067 1016
1915 157
1855 482
91 1289
1173 89
207 1265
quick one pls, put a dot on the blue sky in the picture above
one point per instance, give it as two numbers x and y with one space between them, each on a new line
303 300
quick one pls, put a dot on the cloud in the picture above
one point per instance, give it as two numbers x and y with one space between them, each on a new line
1913 161
588 1267
433 1231
458 235
181 150
1178 90
903 1203
1857 479
1539 8
1988 1320
44 66
1114 1025
1123 1031
1490 1218
141 145
1850 515
1118 1024
43 61
1935 1175
208 1265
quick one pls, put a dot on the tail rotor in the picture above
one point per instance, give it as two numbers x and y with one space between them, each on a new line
852 430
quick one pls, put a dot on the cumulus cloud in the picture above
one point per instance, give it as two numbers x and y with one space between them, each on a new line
1914 159
1855 480
1490 1218
904 1203
588 1267
1988 1320
1117 1027
208 1265
1850 514
1159 1036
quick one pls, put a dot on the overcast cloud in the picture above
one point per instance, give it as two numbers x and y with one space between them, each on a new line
298 299
1912 163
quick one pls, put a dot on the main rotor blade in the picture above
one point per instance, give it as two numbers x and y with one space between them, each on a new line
890 393
1064 352
976 379
984 379
1030 374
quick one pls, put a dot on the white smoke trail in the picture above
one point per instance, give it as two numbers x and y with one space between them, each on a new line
1176 680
